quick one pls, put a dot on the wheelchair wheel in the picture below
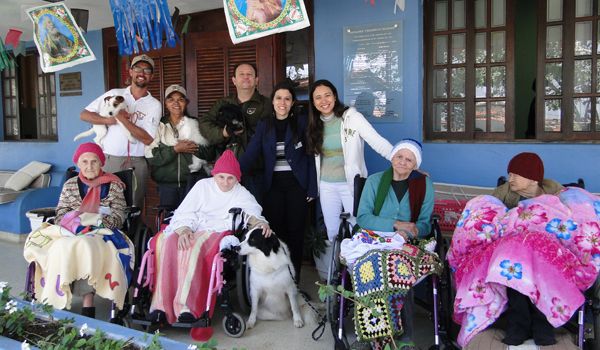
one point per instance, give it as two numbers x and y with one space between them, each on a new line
242 283
234 325
336 305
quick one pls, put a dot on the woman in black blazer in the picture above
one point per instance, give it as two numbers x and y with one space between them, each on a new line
290 177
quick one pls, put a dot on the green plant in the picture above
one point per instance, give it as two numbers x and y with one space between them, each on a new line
328 290
315 240
22 324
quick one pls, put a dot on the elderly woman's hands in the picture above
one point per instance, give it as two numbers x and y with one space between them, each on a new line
266 230
406 229
185 239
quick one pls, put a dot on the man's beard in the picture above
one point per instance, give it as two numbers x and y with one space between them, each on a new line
139 84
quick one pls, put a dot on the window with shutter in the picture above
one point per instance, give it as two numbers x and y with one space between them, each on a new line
168 70
210 60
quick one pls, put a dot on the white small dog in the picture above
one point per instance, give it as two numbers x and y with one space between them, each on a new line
272 288
111 106
190 130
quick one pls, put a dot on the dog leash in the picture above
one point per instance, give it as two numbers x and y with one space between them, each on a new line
317 333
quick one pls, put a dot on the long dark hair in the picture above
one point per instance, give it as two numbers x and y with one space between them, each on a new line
315 124
291 118
167 114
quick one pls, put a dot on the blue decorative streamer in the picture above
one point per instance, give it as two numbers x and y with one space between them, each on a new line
140 25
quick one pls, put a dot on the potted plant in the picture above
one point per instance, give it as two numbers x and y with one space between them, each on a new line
25 325
317 245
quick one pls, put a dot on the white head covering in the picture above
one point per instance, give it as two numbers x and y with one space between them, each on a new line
412 145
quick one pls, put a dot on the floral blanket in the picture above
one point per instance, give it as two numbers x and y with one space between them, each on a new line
547 248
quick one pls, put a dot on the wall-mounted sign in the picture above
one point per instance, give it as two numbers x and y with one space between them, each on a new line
70 84
373 70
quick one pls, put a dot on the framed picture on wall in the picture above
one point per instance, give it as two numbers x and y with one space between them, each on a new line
58 38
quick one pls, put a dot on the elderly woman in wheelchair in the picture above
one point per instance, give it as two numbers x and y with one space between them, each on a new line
84 253
187 246
386 257
531 249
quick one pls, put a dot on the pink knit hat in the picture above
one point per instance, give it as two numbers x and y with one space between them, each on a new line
89 147
227 164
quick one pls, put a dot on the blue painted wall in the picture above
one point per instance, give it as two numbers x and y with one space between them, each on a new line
477 164
14 155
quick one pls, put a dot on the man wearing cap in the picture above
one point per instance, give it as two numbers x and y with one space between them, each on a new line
141 119
254 107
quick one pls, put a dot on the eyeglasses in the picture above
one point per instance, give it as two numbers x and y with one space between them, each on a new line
140 69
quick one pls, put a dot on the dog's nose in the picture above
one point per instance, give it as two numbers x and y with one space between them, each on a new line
236 248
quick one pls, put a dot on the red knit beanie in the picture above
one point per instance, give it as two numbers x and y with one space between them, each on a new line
227 164
529 165
89 147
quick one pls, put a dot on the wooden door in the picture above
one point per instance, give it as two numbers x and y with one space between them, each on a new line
210 58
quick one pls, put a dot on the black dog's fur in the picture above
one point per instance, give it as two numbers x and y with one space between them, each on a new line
264 244
230 116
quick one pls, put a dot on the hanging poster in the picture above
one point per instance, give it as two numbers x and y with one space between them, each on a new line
373 70
252 19
58 38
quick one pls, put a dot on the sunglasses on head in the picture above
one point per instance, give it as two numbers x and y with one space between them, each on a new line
140 69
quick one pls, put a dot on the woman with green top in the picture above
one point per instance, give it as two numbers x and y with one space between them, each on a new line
336 136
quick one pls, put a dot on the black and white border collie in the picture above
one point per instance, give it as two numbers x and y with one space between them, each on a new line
272 288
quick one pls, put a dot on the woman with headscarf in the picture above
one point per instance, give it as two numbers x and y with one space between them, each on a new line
395 208
84 253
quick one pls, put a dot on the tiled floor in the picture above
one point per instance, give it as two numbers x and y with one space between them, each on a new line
266 335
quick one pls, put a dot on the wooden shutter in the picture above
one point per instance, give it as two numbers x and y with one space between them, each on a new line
168 70
210 59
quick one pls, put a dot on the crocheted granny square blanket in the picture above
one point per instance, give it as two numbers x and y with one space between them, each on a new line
381 279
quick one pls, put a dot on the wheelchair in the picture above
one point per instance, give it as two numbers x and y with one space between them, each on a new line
229 276
339 308
585 323
133 227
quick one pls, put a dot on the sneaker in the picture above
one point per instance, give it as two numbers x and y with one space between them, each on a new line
186 317
157 316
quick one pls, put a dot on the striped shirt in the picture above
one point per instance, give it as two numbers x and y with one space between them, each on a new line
281 163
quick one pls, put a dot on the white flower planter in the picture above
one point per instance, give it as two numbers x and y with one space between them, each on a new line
112 331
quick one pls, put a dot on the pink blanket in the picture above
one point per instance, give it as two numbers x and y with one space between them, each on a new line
547 248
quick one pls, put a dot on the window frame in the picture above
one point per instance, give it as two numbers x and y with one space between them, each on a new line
51 132
469 133
568 74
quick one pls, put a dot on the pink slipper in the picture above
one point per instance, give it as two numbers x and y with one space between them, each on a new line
202 334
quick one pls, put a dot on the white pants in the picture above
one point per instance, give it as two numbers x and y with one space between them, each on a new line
336 198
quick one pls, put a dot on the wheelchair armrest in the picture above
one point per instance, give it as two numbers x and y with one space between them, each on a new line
345 216
235 211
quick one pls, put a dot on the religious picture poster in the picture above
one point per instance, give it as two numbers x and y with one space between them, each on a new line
252 19
58 38
373 70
